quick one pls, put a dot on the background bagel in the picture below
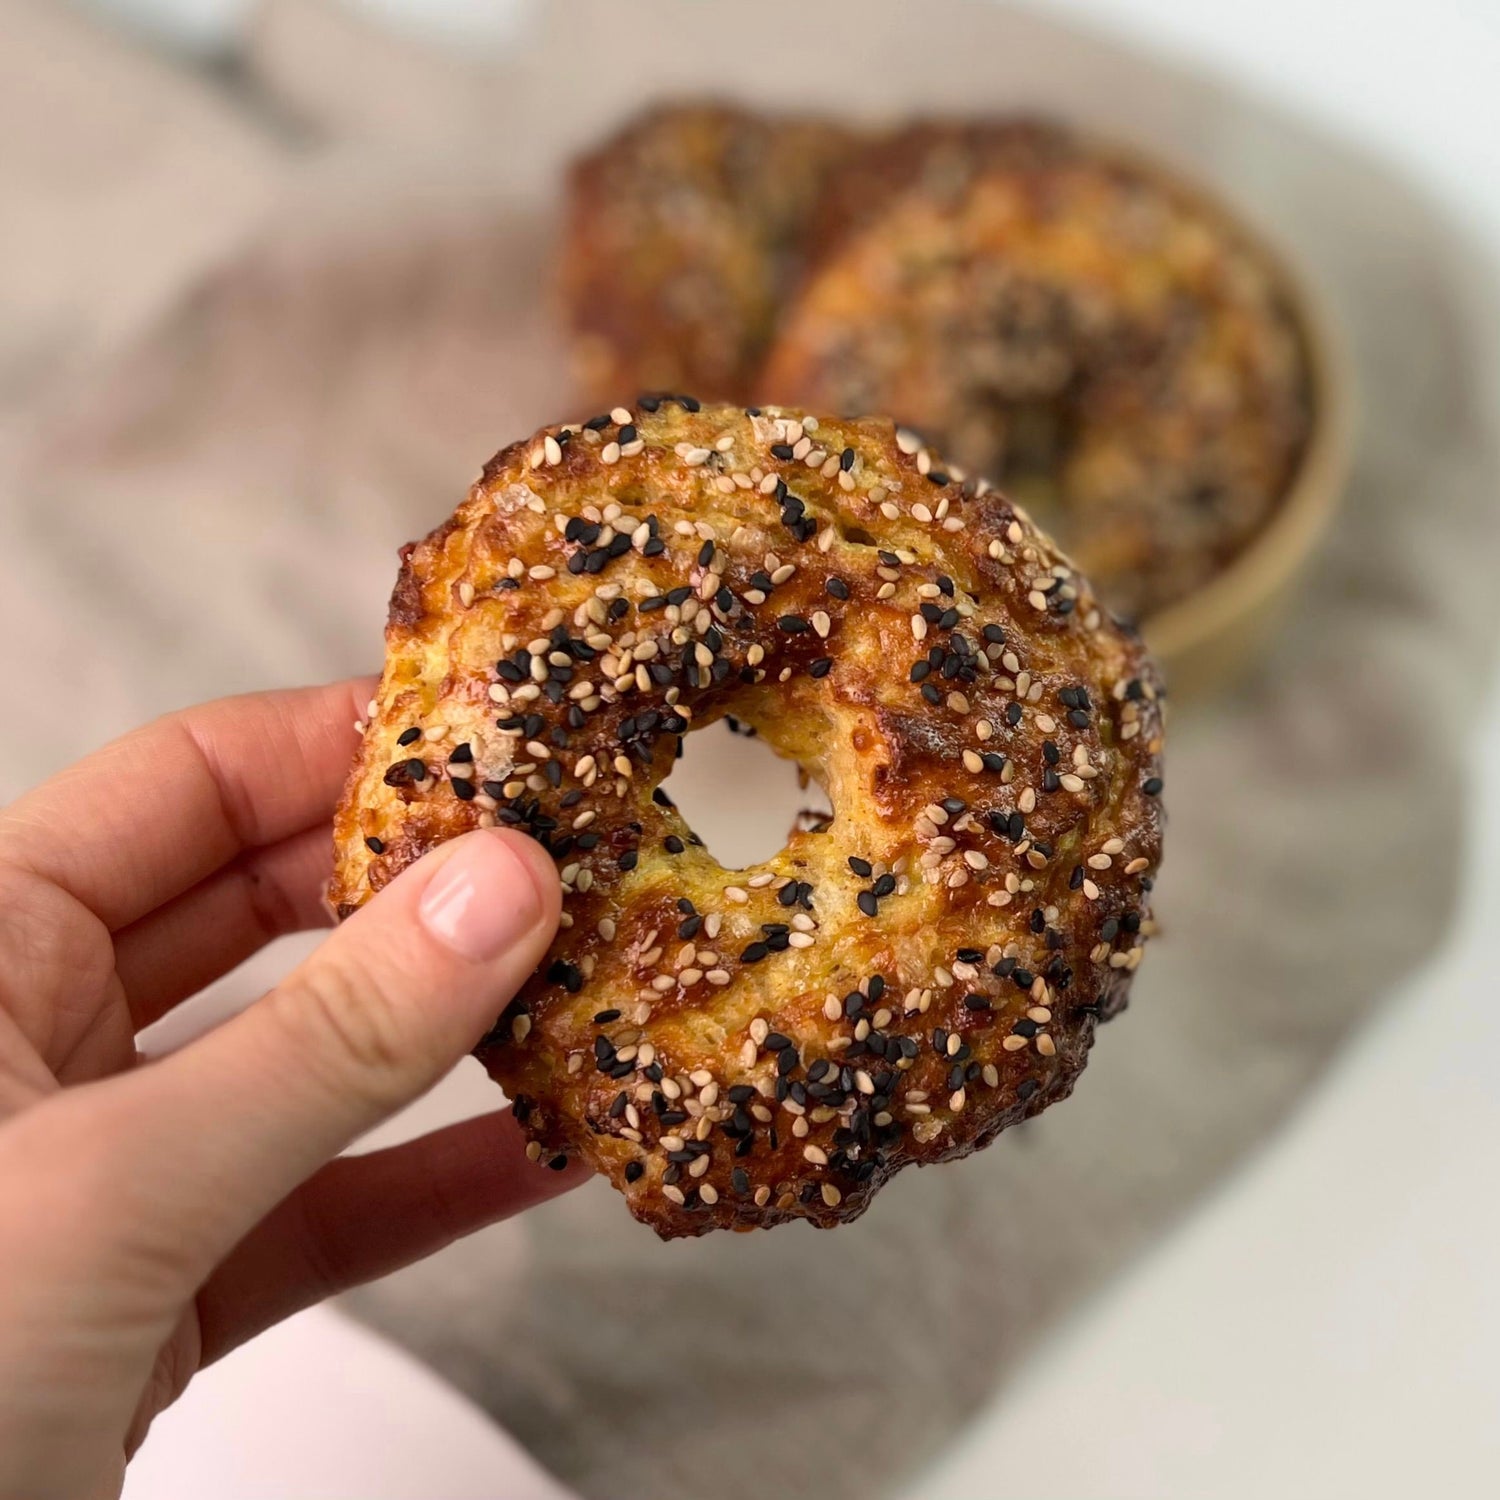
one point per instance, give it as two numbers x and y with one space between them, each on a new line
1069 321
741 1048
685 235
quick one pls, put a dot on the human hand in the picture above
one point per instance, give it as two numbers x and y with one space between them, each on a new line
153 1216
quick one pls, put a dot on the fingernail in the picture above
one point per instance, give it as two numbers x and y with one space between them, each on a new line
483 900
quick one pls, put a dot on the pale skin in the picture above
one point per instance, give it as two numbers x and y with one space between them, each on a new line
155 1215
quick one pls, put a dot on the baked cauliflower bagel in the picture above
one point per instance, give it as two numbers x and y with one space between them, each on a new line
739 1048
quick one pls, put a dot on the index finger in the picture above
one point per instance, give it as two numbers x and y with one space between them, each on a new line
153 813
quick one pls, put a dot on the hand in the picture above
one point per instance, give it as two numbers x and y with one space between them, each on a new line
154 1216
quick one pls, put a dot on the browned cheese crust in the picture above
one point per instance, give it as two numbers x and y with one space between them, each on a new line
684 235
739 1048
1084 329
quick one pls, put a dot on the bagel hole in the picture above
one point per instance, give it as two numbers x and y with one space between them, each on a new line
741 798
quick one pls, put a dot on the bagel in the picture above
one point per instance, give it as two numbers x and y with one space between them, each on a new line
1080 327
736 1049
682 242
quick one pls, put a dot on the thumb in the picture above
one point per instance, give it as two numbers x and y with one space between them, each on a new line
218 1133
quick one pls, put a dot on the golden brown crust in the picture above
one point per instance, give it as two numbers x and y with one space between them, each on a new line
738 1049
1082 328
684 234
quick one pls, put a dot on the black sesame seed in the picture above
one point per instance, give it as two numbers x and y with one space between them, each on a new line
868 904
820 667
634 1171
409 736
559 1161
782 451
1152 786
375 845
861 867
838 588
792 624
464 789
629 859
846 459
883 886
976 1002
628 434
672 844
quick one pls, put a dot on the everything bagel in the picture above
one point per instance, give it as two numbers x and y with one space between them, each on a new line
736 1049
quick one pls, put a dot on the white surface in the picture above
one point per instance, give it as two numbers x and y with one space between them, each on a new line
1328 1326
322 1409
